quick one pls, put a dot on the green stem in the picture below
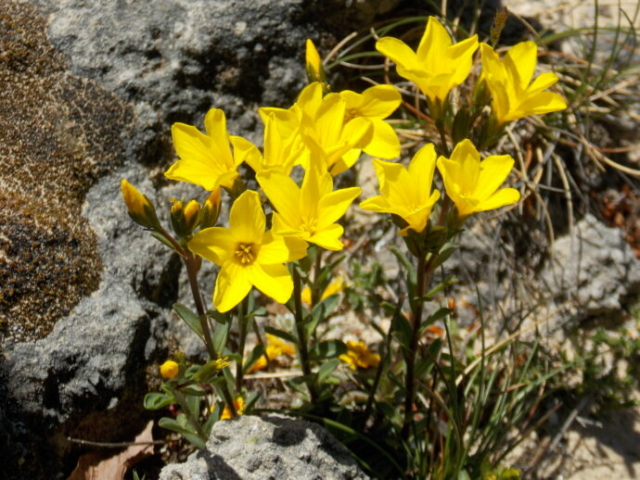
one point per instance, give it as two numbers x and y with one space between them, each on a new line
303 352
242 323
376 380
424 273
193 265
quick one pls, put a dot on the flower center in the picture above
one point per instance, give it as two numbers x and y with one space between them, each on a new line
309 224
351 113
245 253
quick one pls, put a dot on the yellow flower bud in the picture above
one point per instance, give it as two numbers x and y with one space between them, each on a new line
315 70
169 369
184 218
140 209
191 211
211 209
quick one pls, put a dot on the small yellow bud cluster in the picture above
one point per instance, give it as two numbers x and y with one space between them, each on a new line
169 370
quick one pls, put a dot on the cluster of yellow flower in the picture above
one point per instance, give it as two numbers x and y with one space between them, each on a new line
325 133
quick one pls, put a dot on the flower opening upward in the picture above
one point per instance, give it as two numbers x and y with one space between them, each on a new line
205 159
473 184
309 212
247 255
438 65
514 94
406 192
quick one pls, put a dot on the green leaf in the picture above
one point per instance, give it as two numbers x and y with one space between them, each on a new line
195 440
281 334
220 336
327 349
327 369
193 390
157 400
208 372
445 252
218 317
402 330
251 400
190 318
255 354
174 425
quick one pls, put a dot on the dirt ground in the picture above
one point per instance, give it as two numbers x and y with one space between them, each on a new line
609 449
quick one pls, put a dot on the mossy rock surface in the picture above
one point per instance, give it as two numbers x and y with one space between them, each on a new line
58 134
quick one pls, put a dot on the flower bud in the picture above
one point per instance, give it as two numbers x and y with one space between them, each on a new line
140 209
184 218
191 211
169 370
211 209
314 67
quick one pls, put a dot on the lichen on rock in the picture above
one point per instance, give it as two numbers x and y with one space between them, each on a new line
58 134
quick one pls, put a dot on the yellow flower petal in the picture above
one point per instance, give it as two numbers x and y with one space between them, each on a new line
272 280
215 244
246 218
384 141
232 285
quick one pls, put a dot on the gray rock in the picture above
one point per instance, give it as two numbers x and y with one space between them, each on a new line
592 271
269 447
92 89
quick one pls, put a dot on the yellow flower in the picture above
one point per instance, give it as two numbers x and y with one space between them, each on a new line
205 160
276 347
280 347
406 192
309 212
375 104
473 184
437 66
239 405
336 286
359 356
247 255
514 94
140 209
169 369
330 141
283 146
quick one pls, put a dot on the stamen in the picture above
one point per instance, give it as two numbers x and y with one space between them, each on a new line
244 252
